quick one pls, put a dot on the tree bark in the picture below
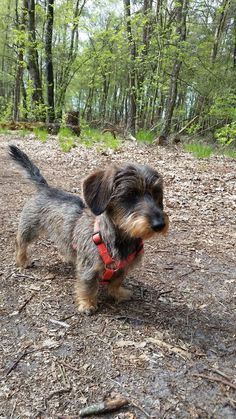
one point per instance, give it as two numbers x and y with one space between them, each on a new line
33 62
181 14
19 66
49 61
219 29
131 117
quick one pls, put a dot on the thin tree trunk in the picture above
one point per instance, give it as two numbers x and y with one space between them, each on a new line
131 117
33 63
181 14
19 65
49 62
219 29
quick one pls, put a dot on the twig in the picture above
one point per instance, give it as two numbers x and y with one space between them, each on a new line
60 323
141 409
164 292
58 393
187 125
25 303
217 379
103 407
221 373
68 317
232 403
188 273
8 276
70 367
16 362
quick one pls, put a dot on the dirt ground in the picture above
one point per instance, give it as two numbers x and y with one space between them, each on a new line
171 350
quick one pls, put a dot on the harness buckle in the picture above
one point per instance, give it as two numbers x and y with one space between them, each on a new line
97 238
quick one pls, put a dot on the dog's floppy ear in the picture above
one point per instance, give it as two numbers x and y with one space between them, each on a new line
97 190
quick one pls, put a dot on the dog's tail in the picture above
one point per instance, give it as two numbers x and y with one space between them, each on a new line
32 171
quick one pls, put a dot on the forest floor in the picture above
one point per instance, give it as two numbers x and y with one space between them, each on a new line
171 350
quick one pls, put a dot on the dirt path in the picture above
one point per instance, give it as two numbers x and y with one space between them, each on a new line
157 350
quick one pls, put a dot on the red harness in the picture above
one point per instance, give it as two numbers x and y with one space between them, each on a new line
111 265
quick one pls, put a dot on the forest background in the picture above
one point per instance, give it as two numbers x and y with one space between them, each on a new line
148 67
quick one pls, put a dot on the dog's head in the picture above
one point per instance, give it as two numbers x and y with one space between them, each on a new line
131 195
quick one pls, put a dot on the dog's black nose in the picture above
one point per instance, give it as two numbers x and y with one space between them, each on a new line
158 224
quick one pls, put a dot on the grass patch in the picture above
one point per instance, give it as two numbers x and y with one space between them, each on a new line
67 139
5 131
144 136
41 134
229 152
24 132
92 136
199 150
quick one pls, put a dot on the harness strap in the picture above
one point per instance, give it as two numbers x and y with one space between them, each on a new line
111 265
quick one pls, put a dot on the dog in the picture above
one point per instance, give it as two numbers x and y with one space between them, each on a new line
101 234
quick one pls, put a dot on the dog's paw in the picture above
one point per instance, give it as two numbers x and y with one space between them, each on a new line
87 309
120 294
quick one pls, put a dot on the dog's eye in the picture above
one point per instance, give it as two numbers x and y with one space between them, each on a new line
158 196
132 197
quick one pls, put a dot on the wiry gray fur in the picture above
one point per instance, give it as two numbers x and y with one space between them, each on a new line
69 222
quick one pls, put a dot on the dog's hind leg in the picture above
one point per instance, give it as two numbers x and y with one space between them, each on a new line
28 231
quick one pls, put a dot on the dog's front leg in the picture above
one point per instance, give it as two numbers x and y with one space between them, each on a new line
86 289
116 290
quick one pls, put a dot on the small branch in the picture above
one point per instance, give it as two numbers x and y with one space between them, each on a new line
103 407
187 125
141 409
216 379
25 303
188 273
59 323
57 393
16 362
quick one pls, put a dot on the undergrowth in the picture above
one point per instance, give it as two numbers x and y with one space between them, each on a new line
199 150
144 136
41 134
67 139
91 136
5 131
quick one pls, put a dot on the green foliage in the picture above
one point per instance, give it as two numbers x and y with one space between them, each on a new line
144 136
229 152
35 111
193 129
41 134
224 107
227 134
199 150
91 136
67 139
23 132
5 131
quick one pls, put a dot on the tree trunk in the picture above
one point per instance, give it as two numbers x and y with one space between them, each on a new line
181 13
37 95
131 117
49 62
219 29
19 66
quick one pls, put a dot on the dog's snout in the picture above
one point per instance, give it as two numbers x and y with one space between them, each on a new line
158 223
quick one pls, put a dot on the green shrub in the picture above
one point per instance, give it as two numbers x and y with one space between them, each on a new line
92 136
5 131
227 134
24 132
199 150
145 136
67 139
41 134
